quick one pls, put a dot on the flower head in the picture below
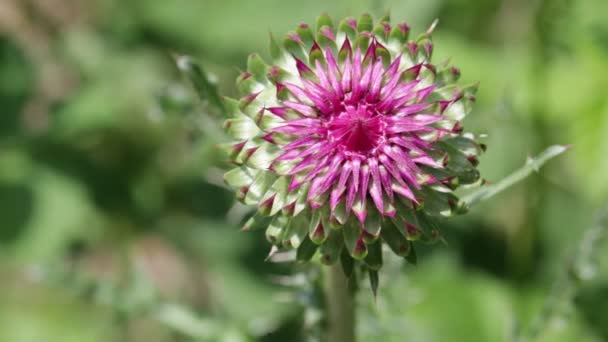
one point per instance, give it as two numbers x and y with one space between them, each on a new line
349 138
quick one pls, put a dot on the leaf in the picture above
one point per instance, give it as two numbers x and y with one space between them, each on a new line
532 164
353 241
181 319
297 233
374 282
324 20
276 229
411 257
365 23
197 75
348 264
256 222
374 256
240 176
306 250
394 239
330 250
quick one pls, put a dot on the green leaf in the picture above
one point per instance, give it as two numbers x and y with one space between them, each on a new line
411 257
306 35
330 250
275 49
186 322
374 255
241 127
257 221
306 250
298 231
276 229
240 176
374 281
319 226
263 156
324 20
257 67
394 239
365 23
348 264
258 187
373 223
280 189
352 240
350 32
197 75
533 164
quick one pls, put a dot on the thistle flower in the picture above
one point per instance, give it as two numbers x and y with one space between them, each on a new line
350 137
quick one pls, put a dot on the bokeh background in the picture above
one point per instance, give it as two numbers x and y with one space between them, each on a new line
115 225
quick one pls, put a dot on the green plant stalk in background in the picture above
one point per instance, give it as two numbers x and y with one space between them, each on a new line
579 268
340 302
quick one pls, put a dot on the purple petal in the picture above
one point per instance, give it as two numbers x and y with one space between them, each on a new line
332 173
370 55
302 95
334 72
390 166
304 141
278 111
303 69
404 191
323 79
425 92
328 33
356 74
376 81
336 194
354 185
364 182
297 154
376 188
386 182
352 22
412 109
300 108
399 90
295 37
426 160
406 167
367 76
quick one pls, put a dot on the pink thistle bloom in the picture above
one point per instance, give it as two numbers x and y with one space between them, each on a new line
352 136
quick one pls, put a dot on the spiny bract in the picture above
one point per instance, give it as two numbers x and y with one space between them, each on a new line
350 137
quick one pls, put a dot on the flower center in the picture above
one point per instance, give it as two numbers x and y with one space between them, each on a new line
356 129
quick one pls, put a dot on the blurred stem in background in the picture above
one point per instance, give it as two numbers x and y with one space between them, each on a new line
340 304
580 268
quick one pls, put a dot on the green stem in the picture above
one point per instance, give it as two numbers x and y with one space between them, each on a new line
340 306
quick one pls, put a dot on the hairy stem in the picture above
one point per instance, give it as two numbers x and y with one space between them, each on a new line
340 306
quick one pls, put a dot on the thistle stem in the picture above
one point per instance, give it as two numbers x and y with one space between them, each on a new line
340 306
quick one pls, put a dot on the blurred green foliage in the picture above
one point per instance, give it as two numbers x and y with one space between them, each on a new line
114 224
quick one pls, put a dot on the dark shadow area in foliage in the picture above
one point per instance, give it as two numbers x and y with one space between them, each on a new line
107 173
200 198
16 206
472 14
592 303
253 258
16 83
289 330
485 249
491 251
